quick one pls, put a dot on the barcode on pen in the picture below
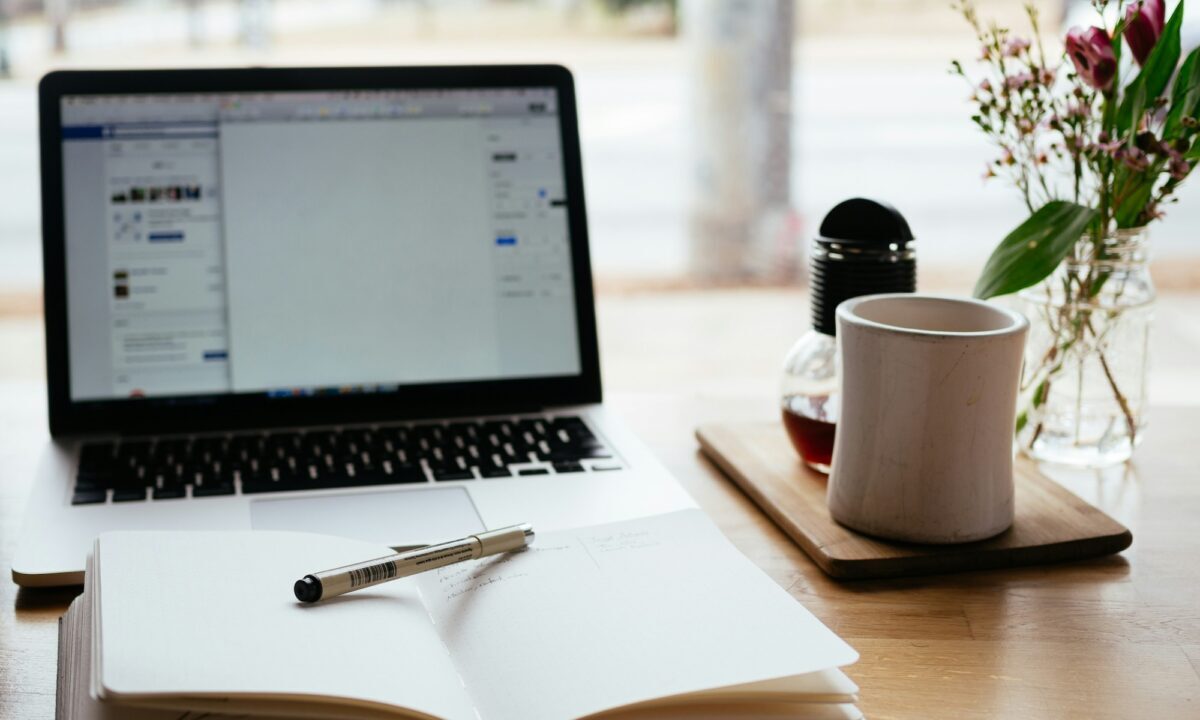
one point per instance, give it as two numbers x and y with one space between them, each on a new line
372 574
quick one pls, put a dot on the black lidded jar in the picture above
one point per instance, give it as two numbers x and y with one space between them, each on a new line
864 247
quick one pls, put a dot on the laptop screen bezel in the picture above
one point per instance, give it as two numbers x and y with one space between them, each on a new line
248 410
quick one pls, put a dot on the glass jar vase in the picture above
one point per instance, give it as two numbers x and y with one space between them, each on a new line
1083 389
811 398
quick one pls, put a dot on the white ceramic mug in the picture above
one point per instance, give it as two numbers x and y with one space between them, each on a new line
924 443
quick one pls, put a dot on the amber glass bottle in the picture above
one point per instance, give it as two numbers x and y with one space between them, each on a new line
864 247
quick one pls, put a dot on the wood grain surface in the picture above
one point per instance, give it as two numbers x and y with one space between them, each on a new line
1051 525
1111 637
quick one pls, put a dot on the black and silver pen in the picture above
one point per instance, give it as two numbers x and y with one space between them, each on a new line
348 578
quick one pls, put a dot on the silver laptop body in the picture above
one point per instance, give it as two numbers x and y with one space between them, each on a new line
353 301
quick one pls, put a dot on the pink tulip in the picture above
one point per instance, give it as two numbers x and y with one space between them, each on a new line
1143 26
1091 51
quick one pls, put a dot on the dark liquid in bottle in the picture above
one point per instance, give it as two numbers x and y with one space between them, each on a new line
810 422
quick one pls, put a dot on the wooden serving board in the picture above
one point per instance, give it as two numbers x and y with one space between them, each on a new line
1052 524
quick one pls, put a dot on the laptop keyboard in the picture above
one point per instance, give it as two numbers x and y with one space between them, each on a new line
262 462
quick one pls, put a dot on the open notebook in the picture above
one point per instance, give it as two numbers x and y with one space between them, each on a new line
646 618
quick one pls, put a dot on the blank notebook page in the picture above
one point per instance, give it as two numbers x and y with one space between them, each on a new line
596 618
214 613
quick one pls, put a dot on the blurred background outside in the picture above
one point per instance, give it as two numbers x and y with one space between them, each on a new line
701 168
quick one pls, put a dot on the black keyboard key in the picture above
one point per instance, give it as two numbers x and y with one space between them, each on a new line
567 467
207 450
280 445
221 472
469 432
495 472
569 423
359 436
429 435
593 451
366 477
96 458
195 474
88 497
264 486
537 428
316 481
398 475
131 478
403 472
171 451
158 479
400 436
499 428
168 492
365 461
452 474
251 471
533 471
129 494
284 473
173 473
303 469
209 489
93 482
244 447
129 460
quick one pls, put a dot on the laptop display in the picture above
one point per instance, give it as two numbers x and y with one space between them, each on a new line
312 243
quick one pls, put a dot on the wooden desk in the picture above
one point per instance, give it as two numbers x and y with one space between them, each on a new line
1112 638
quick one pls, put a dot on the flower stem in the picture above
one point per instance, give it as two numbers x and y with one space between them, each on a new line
1112 383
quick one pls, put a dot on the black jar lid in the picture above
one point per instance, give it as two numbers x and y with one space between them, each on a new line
865 248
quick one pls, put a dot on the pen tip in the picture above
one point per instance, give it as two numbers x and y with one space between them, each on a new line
307 589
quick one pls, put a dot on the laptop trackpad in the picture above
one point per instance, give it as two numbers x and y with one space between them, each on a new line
398 518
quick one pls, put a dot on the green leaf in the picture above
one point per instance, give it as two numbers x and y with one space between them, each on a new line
1039 393
1155 74
1185 95
1135 201
1034 249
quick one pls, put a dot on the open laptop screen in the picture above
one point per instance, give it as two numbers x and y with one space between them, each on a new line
314 243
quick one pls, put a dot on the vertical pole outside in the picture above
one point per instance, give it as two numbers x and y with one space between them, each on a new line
195 22
254 23
741 222
57 12
5 60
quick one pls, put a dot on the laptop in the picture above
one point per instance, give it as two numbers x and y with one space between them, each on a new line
352 301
